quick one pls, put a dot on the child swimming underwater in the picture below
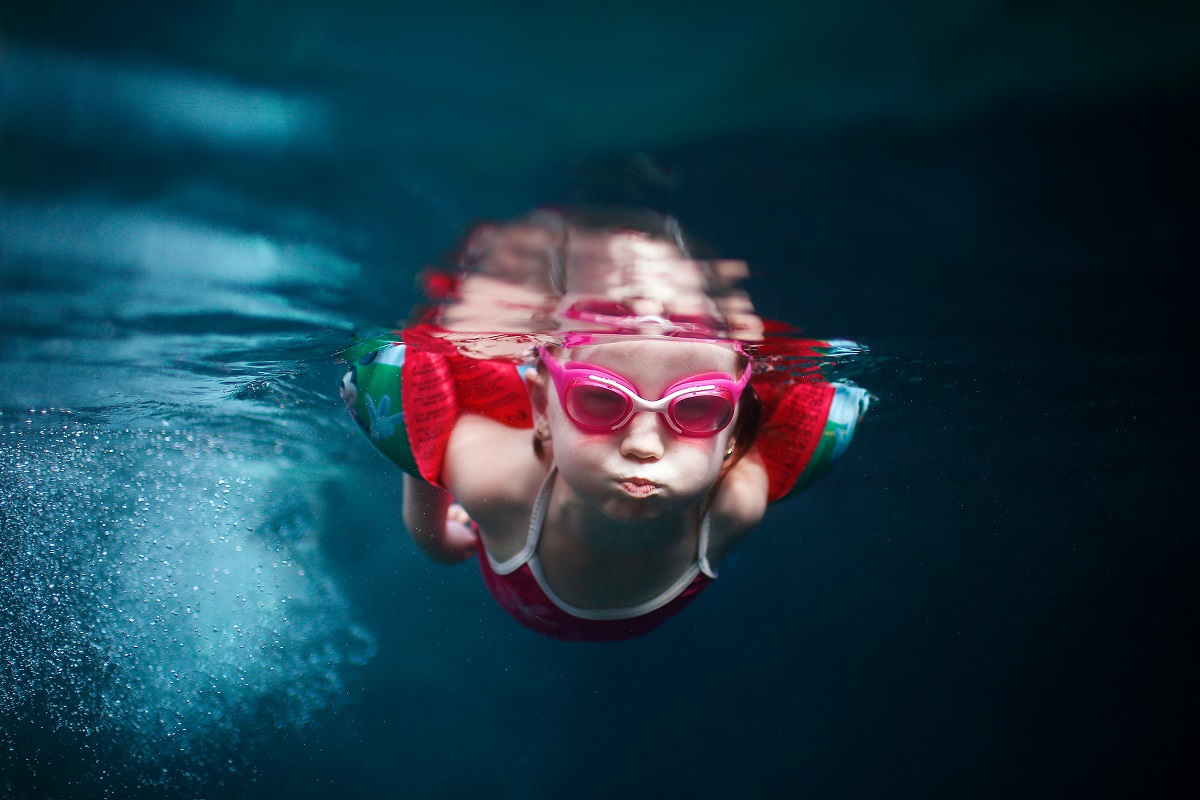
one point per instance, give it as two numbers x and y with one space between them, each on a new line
603 493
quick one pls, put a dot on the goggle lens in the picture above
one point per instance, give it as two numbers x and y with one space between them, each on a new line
596 407
702 413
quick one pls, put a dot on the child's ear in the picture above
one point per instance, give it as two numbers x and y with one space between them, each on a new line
535 382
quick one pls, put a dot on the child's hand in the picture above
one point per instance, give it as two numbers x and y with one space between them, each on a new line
461 539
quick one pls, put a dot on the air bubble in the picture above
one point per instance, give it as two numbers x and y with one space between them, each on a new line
135 653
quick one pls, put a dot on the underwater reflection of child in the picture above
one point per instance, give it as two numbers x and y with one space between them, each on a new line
639 476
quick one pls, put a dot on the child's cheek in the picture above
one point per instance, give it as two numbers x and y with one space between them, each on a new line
695 447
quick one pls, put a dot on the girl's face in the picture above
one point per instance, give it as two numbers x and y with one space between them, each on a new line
644 470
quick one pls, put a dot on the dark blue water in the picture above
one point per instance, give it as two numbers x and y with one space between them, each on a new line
205 587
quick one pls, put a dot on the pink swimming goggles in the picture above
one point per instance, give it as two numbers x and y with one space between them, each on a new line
599 401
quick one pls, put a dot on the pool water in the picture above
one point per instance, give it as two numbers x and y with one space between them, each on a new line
205 586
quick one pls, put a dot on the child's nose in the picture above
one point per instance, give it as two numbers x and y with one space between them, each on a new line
644 436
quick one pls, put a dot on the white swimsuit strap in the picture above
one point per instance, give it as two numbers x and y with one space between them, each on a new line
667 595
702 546
537 520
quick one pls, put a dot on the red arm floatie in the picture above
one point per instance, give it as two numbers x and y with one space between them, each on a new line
430 409
794 416
492 388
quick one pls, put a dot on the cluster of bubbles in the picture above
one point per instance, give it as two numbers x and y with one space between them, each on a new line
162 599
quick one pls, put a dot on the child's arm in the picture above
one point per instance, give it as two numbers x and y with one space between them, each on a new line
439 526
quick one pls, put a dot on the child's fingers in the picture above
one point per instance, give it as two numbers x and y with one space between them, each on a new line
461 539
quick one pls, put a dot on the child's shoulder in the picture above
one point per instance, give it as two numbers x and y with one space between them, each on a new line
494 473
738 505
491 465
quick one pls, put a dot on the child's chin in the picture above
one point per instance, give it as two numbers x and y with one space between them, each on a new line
632 510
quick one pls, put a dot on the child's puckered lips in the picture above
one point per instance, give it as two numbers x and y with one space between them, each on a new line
639 487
